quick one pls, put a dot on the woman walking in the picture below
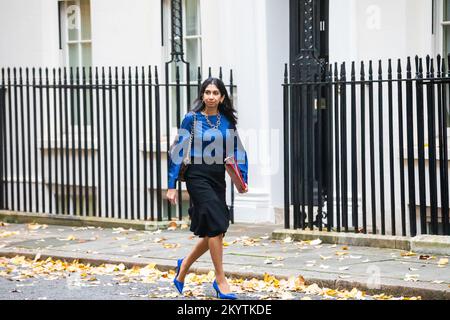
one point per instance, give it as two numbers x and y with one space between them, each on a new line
212 115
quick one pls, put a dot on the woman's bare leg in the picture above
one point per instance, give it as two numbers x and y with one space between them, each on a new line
200 248
216 250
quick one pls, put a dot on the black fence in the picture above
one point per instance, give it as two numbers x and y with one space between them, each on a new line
368 155
92 141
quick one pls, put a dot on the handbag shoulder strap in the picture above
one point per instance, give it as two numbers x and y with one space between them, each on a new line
194 123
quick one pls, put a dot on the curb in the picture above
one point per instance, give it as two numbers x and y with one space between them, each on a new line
431 244
76 221
339 284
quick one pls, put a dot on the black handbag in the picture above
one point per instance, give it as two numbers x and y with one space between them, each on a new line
187 159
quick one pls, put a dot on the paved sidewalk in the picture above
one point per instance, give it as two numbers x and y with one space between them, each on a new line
249 253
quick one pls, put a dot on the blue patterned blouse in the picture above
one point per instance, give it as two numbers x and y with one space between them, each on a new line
205 144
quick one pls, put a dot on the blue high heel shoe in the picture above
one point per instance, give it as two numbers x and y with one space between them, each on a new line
220 295
178 284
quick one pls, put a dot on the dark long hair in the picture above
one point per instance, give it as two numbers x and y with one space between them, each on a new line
226 107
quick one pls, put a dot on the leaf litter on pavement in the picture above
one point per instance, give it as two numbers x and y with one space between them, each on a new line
276 288
20 268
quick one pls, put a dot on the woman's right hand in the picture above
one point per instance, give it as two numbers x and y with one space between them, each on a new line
172 196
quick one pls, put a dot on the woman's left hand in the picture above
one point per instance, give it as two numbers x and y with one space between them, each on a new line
172 196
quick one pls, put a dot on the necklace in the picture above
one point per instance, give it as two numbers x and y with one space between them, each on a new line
209 122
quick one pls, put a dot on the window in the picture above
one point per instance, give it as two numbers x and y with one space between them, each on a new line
185 204
74 204
76 32
192 44
446 41
76 46
192 38
446 28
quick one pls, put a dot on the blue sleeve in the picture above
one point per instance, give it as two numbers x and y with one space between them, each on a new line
180 143
241 157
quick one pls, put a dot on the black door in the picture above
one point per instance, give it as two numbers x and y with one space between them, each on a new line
309 35
309 55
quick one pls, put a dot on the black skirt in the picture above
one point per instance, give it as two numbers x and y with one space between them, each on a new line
206 185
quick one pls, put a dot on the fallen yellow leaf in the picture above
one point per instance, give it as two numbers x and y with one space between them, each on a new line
36 226
171 245
18 260
8 234
150 266
268 279
382 297
171 295
69 238
442 262
300 281
330 292
412 298
313 289
287 240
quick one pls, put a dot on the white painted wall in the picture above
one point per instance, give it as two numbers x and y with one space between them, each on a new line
126 33
123 33
252 38
249 36
366 30
381 29
25 33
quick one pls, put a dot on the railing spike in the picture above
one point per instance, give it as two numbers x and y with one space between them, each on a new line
353 71
420 68
156 75
438 65
199 74
380 69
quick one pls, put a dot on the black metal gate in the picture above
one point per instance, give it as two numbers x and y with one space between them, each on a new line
2 144
309 54
385 165
90 141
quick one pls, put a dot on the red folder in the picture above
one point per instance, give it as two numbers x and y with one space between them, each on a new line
235 174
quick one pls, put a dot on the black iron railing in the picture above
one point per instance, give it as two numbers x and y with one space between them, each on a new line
368 155
90 141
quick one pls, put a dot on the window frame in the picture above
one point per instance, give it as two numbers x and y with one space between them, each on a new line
65 42
65 35
439 25
73 202
167 49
